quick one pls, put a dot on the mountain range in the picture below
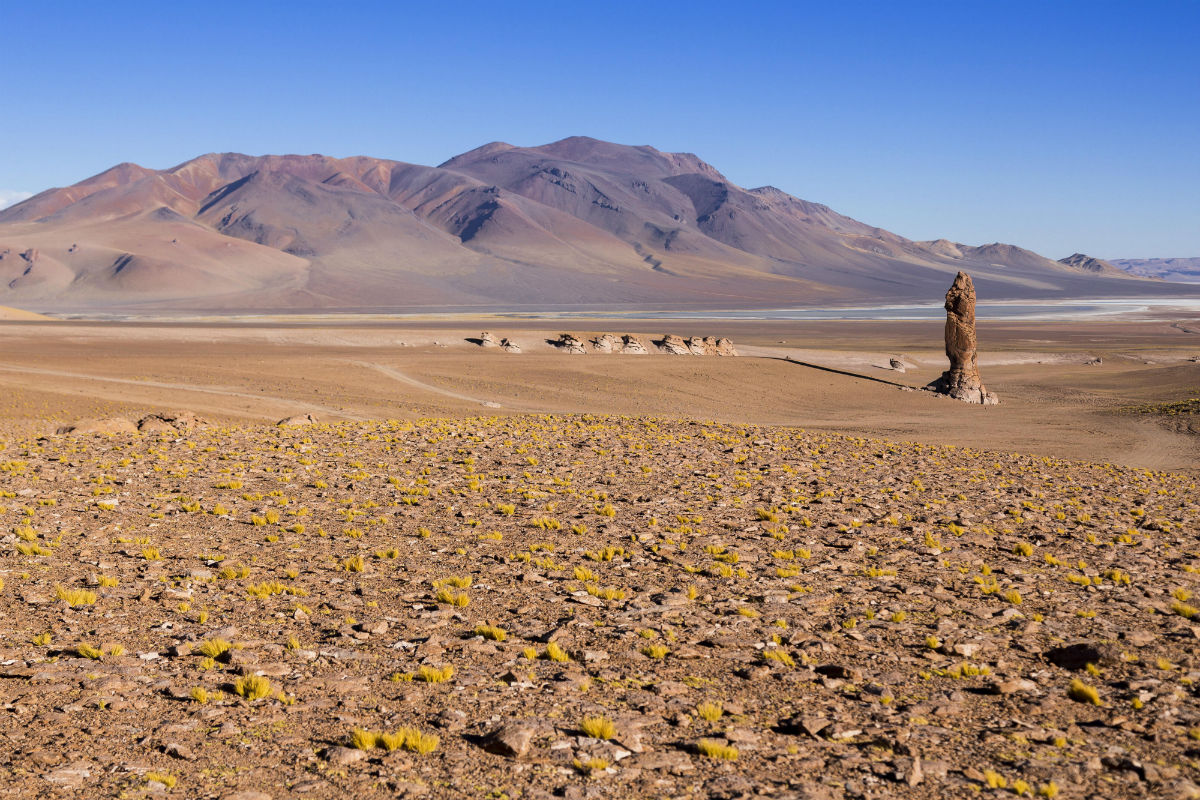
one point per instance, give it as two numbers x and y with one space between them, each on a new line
578 223
1185 270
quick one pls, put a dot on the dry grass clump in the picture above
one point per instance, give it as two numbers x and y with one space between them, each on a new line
252 687
1082 692
452 598
493 632
655 651
164 778
555 653
75 597
407 738
214 648
431 674
717 749
598 727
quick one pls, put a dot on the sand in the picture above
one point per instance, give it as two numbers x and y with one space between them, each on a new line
1053 402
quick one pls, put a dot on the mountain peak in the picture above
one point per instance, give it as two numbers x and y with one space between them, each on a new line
1086 263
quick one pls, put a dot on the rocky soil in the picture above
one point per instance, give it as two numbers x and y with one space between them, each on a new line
585 606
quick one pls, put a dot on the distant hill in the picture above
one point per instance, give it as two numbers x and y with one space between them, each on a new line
575 223
15 314
1089 264
1183 270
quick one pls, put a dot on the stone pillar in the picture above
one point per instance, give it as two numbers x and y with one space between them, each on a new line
962 381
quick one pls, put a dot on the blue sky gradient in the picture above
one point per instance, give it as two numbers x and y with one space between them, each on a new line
1058 126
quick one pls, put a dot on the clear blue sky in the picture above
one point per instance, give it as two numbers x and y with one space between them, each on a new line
1059 126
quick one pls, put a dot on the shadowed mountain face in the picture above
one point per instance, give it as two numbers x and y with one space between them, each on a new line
1085 263
579 222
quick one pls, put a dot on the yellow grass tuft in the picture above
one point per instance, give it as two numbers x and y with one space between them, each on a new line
252 687
715 749
75 597
598 727
1081 692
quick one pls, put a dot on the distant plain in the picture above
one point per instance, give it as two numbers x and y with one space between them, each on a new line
1053 402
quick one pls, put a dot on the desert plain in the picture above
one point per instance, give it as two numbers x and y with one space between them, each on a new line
788 573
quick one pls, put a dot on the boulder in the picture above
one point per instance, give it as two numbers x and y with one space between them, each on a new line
170 422
724 346
570 344
675 345
510 741
108 425
154 424
606 343
486 339
631 345
896 364
962 380
509 346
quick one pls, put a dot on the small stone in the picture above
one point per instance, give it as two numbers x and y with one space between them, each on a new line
1077 656
344 755
841 672
451 720
1014 686
179 751
510 741
73 775
670 688
915 773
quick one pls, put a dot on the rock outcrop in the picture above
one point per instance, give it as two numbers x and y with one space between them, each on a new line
570 344
606 343
171 422
296 421
675 345
696 346
509 346
631 345
962 380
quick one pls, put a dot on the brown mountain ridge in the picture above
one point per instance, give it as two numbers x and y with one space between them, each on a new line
575 223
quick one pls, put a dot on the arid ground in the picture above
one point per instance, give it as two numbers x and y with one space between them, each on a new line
484 574
1053 402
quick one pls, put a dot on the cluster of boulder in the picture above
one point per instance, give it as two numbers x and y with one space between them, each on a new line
172 422
631 345
697 346
488 339
627 344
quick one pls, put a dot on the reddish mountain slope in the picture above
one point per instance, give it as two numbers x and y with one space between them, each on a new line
575 222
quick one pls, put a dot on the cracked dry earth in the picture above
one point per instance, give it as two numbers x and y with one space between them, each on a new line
579 607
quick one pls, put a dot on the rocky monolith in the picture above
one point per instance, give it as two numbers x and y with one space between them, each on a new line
962 381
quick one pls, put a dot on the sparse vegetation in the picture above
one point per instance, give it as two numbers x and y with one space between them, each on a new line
488 596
